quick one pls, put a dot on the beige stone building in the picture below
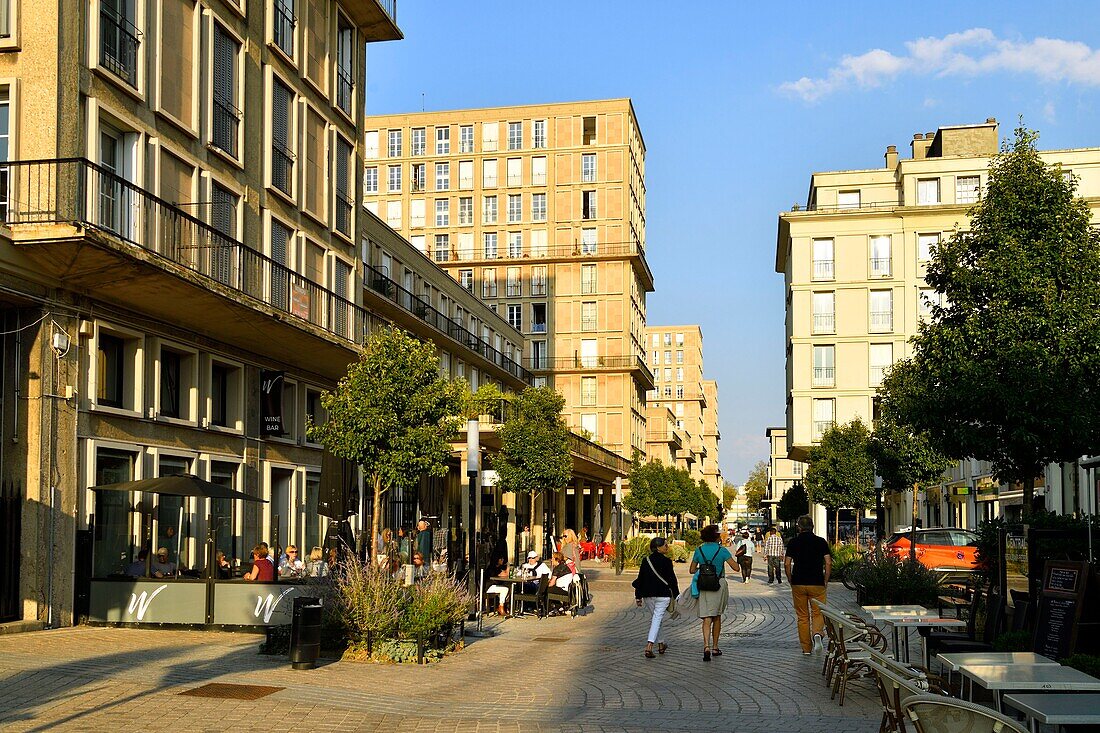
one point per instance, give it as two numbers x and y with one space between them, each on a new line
853 261
682 405
540 211
783 472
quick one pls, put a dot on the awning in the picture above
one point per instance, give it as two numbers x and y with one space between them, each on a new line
183 484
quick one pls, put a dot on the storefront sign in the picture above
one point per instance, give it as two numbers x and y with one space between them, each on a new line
148 601
255 604
271 402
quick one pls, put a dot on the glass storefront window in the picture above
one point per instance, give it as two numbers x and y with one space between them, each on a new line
113 549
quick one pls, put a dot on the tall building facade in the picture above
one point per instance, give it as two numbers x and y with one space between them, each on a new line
783 472
853 260
682 404
540 211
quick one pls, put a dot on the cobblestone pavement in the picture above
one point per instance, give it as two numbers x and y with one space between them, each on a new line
558 674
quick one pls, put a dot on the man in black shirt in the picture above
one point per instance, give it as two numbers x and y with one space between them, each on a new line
812 562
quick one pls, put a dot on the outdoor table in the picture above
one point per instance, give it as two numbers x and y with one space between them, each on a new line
906 621
1057 709
912 610
514 582
1000 678
953 660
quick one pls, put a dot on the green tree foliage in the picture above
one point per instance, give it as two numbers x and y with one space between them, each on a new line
729 494
708 502
1005 369
841 472
793 504
642 499
756 487
392 414
660 490
534 444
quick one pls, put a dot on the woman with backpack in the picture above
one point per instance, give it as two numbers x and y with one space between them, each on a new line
656 588
708 566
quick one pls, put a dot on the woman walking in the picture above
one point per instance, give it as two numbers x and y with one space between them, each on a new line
656 587
708 566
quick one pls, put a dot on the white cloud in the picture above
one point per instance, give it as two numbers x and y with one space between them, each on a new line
1049 112
969 53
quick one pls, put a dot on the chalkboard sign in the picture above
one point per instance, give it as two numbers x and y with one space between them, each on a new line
1060 604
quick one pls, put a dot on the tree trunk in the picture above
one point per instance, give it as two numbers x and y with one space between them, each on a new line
913 527
836 529
1028 488
375 518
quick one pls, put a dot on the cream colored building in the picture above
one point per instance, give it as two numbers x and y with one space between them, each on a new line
853 261
783 472
687 402
540 211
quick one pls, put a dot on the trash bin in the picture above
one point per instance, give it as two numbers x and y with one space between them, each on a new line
305 633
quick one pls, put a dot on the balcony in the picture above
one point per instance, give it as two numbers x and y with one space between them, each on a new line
377 19
668 435
821 427
824 322
538 327
882 321
880 267
119 42
824 376
578 362
345 87
227 119
823 269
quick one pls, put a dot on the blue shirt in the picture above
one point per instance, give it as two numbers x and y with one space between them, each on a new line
712 552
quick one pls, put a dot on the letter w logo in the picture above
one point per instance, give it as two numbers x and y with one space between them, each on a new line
269 604
141 603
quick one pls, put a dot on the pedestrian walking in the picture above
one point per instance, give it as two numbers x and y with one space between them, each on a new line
773 555
708 567
744 552
807 565
656 588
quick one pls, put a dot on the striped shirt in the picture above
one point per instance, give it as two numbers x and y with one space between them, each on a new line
773 545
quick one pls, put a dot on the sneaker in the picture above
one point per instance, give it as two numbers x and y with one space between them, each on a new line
805 654
818 646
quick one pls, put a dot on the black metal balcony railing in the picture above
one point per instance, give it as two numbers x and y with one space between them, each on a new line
378 281
344 88
343 213
119 42
560 251
227 120
390 6
578 361
282 168
77 191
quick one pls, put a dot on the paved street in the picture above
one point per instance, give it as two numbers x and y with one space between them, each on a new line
559 674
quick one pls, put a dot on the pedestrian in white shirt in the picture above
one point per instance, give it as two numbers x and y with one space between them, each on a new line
744 551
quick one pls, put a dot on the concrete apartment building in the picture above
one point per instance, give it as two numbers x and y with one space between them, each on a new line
540 211
853 261
783 472
682 407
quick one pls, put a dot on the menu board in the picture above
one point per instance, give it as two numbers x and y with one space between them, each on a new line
1060 604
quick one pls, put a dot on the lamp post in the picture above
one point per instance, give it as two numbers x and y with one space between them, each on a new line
473 466
617 519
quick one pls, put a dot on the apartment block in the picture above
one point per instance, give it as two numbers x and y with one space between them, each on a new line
540 211
853 260
783 472
683 403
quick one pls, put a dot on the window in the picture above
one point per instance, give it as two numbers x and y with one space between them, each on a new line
442 141
515 316
538 134
489 136
393 214
668 356
538 171
679 391
172 388
881 357
538 280
442 176
679 339
419 177
466 279
588 241
538 354
515 244
370 179
824 312
394 182
345 54
416 212
667 339
419 140
370 144
880 256
281 237
111 371
223 217
847 200
466 174
588 131
926 299
515 135
466 245
538 317
967 189
120 39
588 279
928 191
513 287
824 416
588 204
824 366
417 240
882 311
823 259
679 409
679 374
442 247
588 168
342 186
225 113
466 139
515 172
442 212
515 207
490 245
538 243
224 386
538 207
489 173
282 155
668 373
588 391
679 356
489 283
588 315
282 25
925 244
394 148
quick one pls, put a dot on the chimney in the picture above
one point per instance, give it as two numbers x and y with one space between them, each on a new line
891 157
991 120
920 145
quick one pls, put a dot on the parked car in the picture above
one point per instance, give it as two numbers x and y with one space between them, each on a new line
947 549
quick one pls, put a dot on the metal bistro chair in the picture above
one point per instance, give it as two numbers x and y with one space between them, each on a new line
893 688
935 714
843 662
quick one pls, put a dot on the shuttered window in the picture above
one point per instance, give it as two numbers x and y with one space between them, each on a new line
343 189
282 157
223 217
226 114
280 275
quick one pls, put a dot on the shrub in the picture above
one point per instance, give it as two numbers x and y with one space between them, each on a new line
1013 641
1087 663
885 580
844 558
692 539
635 550
679 553
433 604
369 602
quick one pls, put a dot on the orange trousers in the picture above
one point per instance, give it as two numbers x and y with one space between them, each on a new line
810 621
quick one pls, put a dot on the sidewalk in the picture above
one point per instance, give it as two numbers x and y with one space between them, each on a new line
557 674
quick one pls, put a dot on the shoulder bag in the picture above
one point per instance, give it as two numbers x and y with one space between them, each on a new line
672 612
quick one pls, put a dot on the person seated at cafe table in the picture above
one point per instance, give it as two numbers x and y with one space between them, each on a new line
225 570
262 569
420 570
161 567
316 567
532 570
138 567
500 591
291 566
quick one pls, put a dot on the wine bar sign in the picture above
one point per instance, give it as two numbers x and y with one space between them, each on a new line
1060 604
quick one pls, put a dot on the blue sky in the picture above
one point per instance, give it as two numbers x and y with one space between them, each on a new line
738 103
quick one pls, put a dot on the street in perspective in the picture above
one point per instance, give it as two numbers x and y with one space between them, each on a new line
353 373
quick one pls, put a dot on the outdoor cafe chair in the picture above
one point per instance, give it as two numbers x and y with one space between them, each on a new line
892 688
937 714
842 662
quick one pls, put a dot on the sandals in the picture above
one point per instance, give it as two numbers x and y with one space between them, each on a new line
649 654
662 648
706 655
716 652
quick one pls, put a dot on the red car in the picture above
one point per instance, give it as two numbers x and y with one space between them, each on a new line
946 549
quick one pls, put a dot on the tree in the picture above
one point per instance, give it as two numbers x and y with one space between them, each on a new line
793 504
1005 369
729 494
904 457
756 486
392 414
642 499
534 445
708 502
841 472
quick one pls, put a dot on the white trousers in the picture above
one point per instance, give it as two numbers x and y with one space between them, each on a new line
658 606
499 590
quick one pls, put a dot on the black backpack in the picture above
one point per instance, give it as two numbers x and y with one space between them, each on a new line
708 574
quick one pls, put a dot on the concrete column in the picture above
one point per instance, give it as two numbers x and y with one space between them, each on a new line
559 512
577 520
607 498
511 530
821 519
536 523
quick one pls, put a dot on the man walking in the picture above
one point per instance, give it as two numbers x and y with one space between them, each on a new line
807 565
773 554
745 550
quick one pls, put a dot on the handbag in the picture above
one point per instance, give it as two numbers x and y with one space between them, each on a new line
671 612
